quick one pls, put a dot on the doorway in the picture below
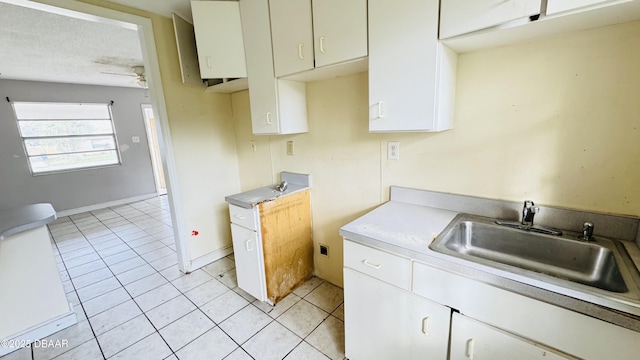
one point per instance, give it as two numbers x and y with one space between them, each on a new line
154 136
144 28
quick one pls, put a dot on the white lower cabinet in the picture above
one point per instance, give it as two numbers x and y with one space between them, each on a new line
247 250
472 339
448 316
386 322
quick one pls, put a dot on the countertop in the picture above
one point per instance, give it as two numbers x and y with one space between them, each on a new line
408 229
23 218
248 199
251 198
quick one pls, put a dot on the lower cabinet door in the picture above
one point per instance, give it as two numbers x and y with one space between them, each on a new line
247 251
471 339
386 322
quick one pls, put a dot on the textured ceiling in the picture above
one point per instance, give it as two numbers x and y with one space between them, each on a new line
42 46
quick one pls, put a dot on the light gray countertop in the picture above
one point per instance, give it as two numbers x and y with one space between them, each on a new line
23 218
407 230
249 199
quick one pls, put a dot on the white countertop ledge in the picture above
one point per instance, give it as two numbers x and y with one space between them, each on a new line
23 218
410 226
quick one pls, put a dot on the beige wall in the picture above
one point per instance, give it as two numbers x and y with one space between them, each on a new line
203 142
555 120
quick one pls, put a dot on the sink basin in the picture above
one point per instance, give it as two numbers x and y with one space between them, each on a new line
585 263
601 268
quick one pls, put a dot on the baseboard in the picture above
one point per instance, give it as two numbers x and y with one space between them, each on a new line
105 205
210 257
38 332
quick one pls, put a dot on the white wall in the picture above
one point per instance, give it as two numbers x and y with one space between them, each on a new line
555 120
74 189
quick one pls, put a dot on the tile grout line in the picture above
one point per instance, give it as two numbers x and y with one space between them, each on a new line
114 275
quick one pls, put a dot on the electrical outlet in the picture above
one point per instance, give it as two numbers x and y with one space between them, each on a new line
290 148
393 150
135 139
324 250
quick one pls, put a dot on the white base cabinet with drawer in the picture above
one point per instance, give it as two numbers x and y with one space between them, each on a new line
448 316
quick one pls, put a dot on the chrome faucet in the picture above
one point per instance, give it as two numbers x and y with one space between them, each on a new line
528 211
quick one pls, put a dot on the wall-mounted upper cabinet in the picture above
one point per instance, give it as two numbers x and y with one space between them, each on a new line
505 22
459 17
559 6
308 35
218 32
277 106
412 75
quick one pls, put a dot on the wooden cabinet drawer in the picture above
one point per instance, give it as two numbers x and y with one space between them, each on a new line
247 218
382 265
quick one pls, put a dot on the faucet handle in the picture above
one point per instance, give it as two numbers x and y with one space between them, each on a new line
587 231
528 211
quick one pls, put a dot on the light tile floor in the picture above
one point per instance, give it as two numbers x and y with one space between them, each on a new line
119 269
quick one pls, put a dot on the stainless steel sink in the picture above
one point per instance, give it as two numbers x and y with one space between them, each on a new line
601 267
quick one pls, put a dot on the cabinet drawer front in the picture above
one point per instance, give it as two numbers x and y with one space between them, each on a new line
247 218
382 265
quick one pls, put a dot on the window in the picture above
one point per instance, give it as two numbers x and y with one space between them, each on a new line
66 136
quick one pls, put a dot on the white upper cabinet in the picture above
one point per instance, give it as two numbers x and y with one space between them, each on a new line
307 36
462 16
411 74
291 32
340 30
219 40
558 6
277 106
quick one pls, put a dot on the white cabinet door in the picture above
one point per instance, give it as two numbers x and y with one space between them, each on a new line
339 30
471 339
558 6
462 16
219 39
411 74
291 30
247 250
384 322
277 106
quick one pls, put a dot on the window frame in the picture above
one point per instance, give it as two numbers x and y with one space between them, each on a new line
24 138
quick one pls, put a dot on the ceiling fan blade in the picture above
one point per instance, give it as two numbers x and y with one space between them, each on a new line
111 73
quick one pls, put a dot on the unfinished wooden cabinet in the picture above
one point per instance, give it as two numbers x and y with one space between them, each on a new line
273 246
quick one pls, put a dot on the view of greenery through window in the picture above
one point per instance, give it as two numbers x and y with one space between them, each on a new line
65 136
